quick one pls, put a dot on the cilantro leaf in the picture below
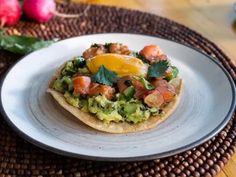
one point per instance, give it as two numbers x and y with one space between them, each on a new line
158 69
105 76
79 62
139 56
107 45
95 45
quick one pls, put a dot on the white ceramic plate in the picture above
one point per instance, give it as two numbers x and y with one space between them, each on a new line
206 106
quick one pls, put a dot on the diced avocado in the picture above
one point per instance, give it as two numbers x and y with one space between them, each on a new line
129 92
135 112
71 100
108 117
130 108
138 116
147 114
66 79
121 97
153 110
175 71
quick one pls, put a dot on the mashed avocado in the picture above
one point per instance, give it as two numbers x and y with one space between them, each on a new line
71 100
123 108
133 111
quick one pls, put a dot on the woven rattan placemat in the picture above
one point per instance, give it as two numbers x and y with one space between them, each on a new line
20 158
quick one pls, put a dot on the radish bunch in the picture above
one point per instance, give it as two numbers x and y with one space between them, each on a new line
9 12
37 10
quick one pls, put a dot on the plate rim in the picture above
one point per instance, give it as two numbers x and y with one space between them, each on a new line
194 144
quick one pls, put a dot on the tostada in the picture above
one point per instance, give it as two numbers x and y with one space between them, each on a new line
113 89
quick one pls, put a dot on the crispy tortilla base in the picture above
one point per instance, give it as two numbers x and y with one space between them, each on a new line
113 127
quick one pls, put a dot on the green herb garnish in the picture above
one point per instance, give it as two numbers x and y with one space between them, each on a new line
79 62
21 44
107 45
158 69
94 45
139 56
105 76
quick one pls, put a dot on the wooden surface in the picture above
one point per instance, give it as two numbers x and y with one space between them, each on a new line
214 19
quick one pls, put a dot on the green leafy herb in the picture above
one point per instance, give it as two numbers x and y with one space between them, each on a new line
21 44
94 45
158 69
79 62
139 56
107 45
105 76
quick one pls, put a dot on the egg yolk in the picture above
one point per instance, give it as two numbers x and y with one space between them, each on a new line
121 64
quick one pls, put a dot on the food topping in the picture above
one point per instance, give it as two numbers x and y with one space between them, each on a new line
124 82
99 89
81 84
104 76
140 90
154 99
167 94
153 53
117 85
121 64
119 49
95 50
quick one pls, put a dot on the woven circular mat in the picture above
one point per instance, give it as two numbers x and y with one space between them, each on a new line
20 158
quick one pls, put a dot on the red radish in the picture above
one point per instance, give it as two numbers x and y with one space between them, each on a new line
43 10
9 12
